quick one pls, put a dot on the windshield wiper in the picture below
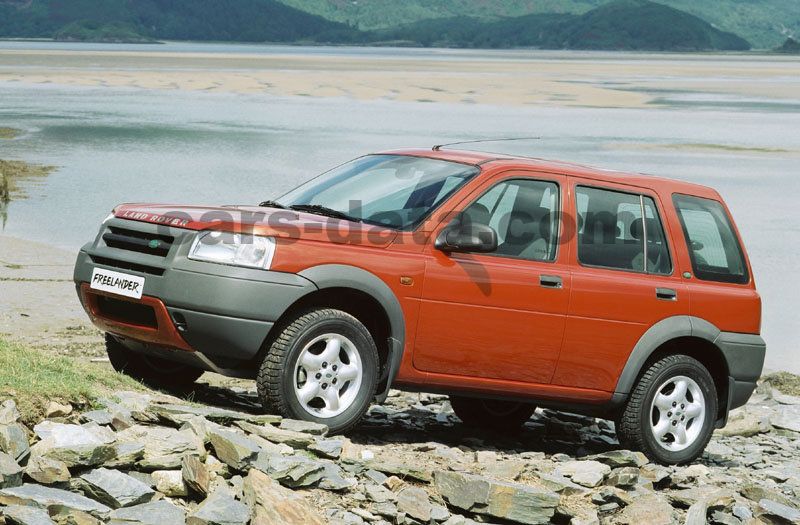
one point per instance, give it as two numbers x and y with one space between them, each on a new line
324 210
271 204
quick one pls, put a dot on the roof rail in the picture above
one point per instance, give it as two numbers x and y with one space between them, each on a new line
438 147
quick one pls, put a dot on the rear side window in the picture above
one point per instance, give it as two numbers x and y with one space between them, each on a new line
713 247
615 227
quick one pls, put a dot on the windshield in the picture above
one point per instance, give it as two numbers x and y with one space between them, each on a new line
396 191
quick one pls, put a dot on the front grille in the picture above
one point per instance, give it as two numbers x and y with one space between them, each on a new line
136 241
126 312
125 265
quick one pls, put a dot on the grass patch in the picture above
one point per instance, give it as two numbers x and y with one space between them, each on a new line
33 379
9 133
786 382
11 172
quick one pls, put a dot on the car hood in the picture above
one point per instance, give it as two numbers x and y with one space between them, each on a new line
259 221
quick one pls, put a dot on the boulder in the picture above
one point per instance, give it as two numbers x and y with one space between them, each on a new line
272 504
51 498
114 488
159 512
504 500
233 449
10 472
14 441
220 509
24 515
46 470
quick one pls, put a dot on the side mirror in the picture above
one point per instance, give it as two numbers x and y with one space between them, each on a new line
477 238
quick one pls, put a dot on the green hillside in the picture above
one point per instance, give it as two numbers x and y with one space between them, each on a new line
764 23
136 20
619 25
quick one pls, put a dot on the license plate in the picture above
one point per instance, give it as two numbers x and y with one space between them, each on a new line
117 283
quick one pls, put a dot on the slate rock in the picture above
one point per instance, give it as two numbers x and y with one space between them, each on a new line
114 488
307 427
220 509
504 500
650 509
47 497
24 515
126 455
415 503
778 513
327 448
9 414
588 473
47 471
164 448
333 478
621 458
195 475
75 445
278 435
159 512
234 449
101 417
56 409
170 483
272 504
10 472
217 415
291 471
14 441
623 477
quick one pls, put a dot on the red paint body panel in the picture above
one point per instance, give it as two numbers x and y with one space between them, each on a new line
482 323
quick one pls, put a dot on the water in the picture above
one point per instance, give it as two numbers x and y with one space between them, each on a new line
117 145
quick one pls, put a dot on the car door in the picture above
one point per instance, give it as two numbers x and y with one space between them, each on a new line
617 293
499 315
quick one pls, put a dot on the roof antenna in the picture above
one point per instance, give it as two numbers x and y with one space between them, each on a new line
440 146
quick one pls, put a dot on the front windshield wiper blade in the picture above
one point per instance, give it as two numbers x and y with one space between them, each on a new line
271 204
324 210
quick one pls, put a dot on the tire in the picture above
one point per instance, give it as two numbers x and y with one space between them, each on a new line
488 413
153 371
667 433
322 367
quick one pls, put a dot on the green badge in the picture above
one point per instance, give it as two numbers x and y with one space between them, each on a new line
154 244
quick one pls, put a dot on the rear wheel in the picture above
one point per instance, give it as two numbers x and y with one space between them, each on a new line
491 413
323 367
671 412
153 371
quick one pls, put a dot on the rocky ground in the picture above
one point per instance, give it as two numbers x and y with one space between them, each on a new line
141 458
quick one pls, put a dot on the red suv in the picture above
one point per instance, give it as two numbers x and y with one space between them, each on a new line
505 282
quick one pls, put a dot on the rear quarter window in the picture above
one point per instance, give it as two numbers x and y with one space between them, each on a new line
713 246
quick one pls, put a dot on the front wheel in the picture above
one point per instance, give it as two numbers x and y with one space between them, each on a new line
491 413
152 371
671 412
323 367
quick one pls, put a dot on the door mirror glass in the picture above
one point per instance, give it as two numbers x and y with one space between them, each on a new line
475 237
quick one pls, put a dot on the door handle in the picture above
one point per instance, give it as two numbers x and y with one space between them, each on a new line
550 281
666 294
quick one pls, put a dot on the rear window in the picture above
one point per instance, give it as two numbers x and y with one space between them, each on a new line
713 247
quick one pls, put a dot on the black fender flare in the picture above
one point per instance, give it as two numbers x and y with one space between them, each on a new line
658 334
345 276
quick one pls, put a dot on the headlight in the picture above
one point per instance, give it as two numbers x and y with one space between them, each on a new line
251 251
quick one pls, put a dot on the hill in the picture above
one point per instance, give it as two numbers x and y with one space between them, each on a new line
790 47
138 20
619 25
764 23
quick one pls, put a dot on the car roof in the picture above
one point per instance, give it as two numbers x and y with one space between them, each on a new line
479 158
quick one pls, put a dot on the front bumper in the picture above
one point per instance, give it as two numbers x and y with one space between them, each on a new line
223 312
